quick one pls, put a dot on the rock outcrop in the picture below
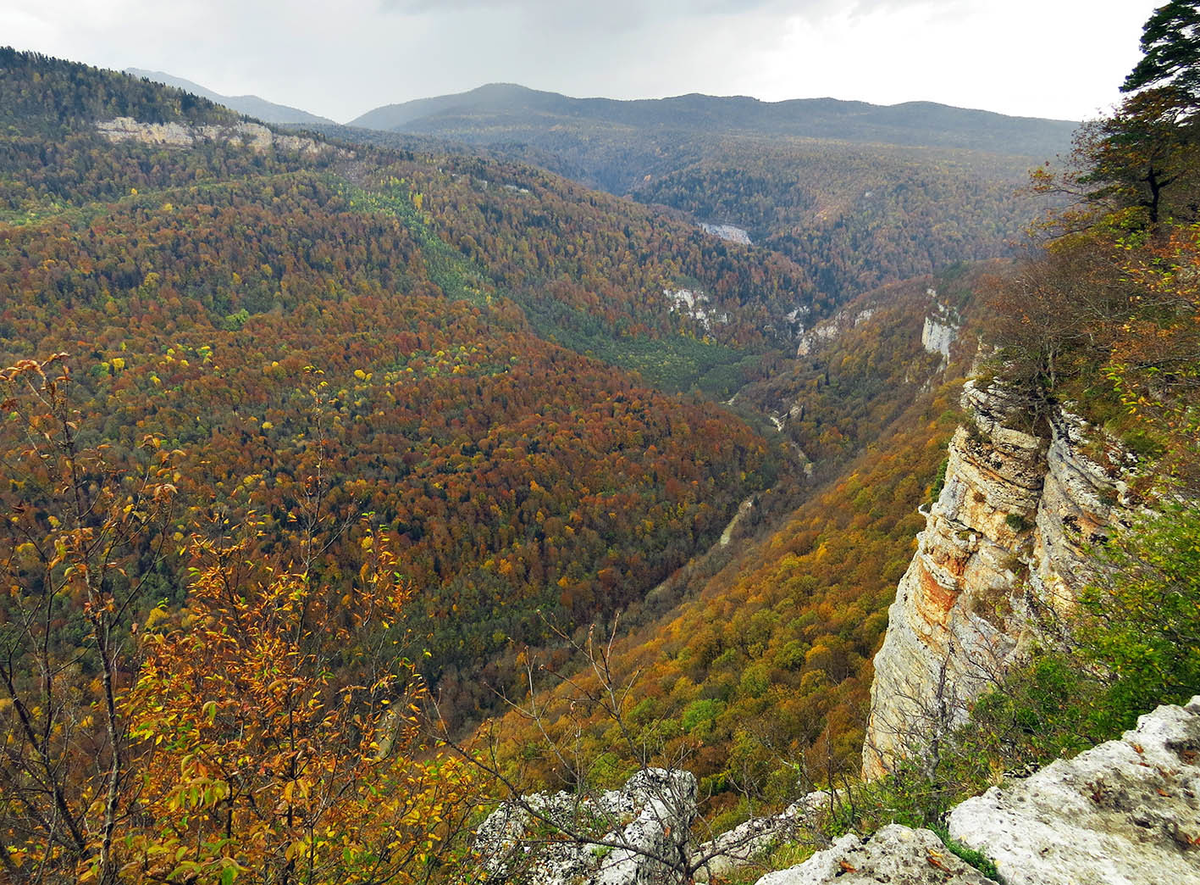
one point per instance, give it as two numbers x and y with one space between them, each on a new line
749 843
1004 540
254 136
1124 813
631 836
727 232
896 855
941 327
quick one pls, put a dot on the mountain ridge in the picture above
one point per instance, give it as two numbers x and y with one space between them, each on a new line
250 105
913 122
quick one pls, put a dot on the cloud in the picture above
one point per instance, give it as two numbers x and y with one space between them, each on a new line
1061 58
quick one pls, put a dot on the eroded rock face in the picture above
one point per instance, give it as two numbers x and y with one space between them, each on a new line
941 328
896 855
1008 532
956 619
254 136
640 833
1124 813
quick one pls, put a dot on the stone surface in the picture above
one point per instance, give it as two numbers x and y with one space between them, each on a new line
254 136
749 843
896 855
941 328
633 835
1124 813
957 619
1009 530
727 232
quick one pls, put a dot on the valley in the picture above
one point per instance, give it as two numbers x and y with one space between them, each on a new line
756 473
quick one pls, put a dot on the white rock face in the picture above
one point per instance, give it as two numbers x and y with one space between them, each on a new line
941 328
639 832
254 136
728 232
692 304
1124 813
1013 519
896 855
937 338
830 329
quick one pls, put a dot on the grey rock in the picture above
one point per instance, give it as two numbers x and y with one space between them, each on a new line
254 136
748 844
895 854
632 836
1124 813
1008 533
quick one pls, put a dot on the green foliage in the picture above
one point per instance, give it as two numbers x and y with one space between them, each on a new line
767 660
1017 522
855 217
977 859
48 97
1142 621
220 289
1171 50
1133 648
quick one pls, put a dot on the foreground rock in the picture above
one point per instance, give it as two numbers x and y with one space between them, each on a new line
1124 813
633 836
750 843
896 854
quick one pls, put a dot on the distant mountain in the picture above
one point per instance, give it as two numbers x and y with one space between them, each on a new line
859 195
500 110
250 105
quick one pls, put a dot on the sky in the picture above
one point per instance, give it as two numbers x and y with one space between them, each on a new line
339 58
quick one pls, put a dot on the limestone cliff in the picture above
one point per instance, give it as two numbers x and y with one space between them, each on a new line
1003 544
254 136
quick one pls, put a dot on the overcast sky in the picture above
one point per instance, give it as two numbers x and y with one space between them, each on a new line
339 58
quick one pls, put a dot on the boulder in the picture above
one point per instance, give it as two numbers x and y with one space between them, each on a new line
1126 812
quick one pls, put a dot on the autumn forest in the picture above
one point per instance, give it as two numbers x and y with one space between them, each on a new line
355 481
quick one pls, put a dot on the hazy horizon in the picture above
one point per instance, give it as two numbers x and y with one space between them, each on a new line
1060 60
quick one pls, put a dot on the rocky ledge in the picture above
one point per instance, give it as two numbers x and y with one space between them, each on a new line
631 836
254 136
896 855
1124 813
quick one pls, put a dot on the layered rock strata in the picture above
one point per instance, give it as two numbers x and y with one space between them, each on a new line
253 136
1004 543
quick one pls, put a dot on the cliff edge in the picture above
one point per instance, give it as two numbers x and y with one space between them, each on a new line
1003 550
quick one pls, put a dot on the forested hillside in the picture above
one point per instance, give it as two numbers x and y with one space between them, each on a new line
767 656
859 196
354 480
331 360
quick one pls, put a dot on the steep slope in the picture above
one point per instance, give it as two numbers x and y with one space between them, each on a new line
754 671
857 195
250 105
